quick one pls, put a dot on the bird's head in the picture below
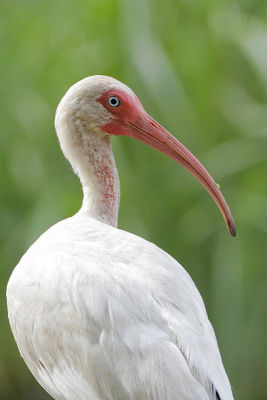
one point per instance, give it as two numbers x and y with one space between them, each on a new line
100 106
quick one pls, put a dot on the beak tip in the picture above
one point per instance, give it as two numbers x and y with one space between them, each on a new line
232 228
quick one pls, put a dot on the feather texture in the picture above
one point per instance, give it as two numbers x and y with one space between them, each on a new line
99 313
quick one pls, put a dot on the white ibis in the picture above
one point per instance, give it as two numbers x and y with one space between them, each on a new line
97 312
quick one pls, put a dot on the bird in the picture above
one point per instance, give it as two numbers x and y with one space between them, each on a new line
99 313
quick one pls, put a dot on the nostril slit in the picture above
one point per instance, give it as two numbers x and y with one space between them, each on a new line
153 124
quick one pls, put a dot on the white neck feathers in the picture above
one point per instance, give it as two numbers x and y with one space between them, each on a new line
90 153
100 182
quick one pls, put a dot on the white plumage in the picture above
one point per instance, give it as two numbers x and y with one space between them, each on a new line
99 313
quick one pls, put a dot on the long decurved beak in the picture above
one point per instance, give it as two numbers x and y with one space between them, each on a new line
147 130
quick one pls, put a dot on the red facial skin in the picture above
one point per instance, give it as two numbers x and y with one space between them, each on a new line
130 119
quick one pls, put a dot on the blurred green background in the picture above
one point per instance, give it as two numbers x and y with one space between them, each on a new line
200 68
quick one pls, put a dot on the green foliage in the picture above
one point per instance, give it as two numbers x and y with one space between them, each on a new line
200 68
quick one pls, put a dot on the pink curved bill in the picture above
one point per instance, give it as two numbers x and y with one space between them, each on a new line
152 133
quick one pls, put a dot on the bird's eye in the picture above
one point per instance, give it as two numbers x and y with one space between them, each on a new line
113 101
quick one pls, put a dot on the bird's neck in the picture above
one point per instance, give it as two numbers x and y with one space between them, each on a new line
100 182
